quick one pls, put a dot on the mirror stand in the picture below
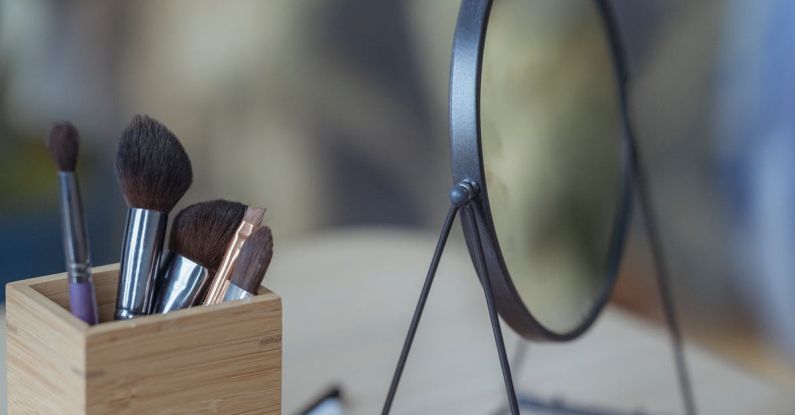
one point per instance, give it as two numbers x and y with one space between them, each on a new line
461 197
650 220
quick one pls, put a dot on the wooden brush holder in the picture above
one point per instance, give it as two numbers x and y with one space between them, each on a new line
220 359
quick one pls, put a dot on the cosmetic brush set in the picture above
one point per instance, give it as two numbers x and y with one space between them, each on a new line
224 359
218 250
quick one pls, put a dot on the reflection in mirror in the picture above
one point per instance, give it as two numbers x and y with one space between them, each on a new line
552 149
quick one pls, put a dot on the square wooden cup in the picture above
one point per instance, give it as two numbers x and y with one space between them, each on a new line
220 359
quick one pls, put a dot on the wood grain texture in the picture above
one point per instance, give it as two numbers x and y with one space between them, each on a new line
45 355
222 359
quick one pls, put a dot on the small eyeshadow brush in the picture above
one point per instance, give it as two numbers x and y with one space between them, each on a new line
154 172
220 282
255 257
63 142
199 237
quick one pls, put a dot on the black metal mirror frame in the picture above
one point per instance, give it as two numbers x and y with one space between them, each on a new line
466 196
467 163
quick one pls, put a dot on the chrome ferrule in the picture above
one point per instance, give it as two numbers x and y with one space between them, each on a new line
140 261
75 240
181 284
236 293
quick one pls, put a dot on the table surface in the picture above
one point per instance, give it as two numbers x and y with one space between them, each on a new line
348 297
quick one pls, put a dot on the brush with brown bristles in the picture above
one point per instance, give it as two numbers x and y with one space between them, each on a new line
255 257
220 281
199 237
63 142
154 172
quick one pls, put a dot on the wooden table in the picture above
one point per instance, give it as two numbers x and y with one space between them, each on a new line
348 297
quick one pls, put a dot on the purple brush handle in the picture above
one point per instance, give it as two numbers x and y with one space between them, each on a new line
83 301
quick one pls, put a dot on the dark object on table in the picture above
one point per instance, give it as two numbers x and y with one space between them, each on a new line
330 403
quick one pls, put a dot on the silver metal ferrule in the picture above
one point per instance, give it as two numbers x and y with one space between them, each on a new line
236 293
75 241
140 261
181 283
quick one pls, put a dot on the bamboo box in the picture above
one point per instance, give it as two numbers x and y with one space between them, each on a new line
220 359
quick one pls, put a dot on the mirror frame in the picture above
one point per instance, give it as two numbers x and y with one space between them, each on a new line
467 165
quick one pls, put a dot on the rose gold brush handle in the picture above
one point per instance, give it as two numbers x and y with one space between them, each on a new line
220 283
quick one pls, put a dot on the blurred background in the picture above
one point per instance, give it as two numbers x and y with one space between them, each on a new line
334 114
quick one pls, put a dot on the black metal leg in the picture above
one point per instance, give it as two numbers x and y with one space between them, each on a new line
516 361
460 195
663 282
415 320
480 265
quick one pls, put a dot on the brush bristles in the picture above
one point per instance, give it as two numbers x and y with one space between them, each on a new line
63 143
201 232
153 169
254 259
254 215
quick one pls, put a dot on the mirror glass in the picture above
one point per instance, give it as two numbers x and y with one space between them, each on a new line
551 138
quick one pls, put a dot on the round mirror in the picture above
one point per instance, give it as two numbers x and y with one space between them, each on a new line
537 123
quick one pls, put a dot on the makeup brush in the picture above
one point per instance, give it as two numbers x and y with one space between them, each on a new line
255 257
199 237
220 282
63 143
154 172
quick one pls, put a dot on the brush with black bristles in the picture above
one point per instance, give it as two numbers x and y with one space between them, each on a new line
154 172
199 237
63 142
255 257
